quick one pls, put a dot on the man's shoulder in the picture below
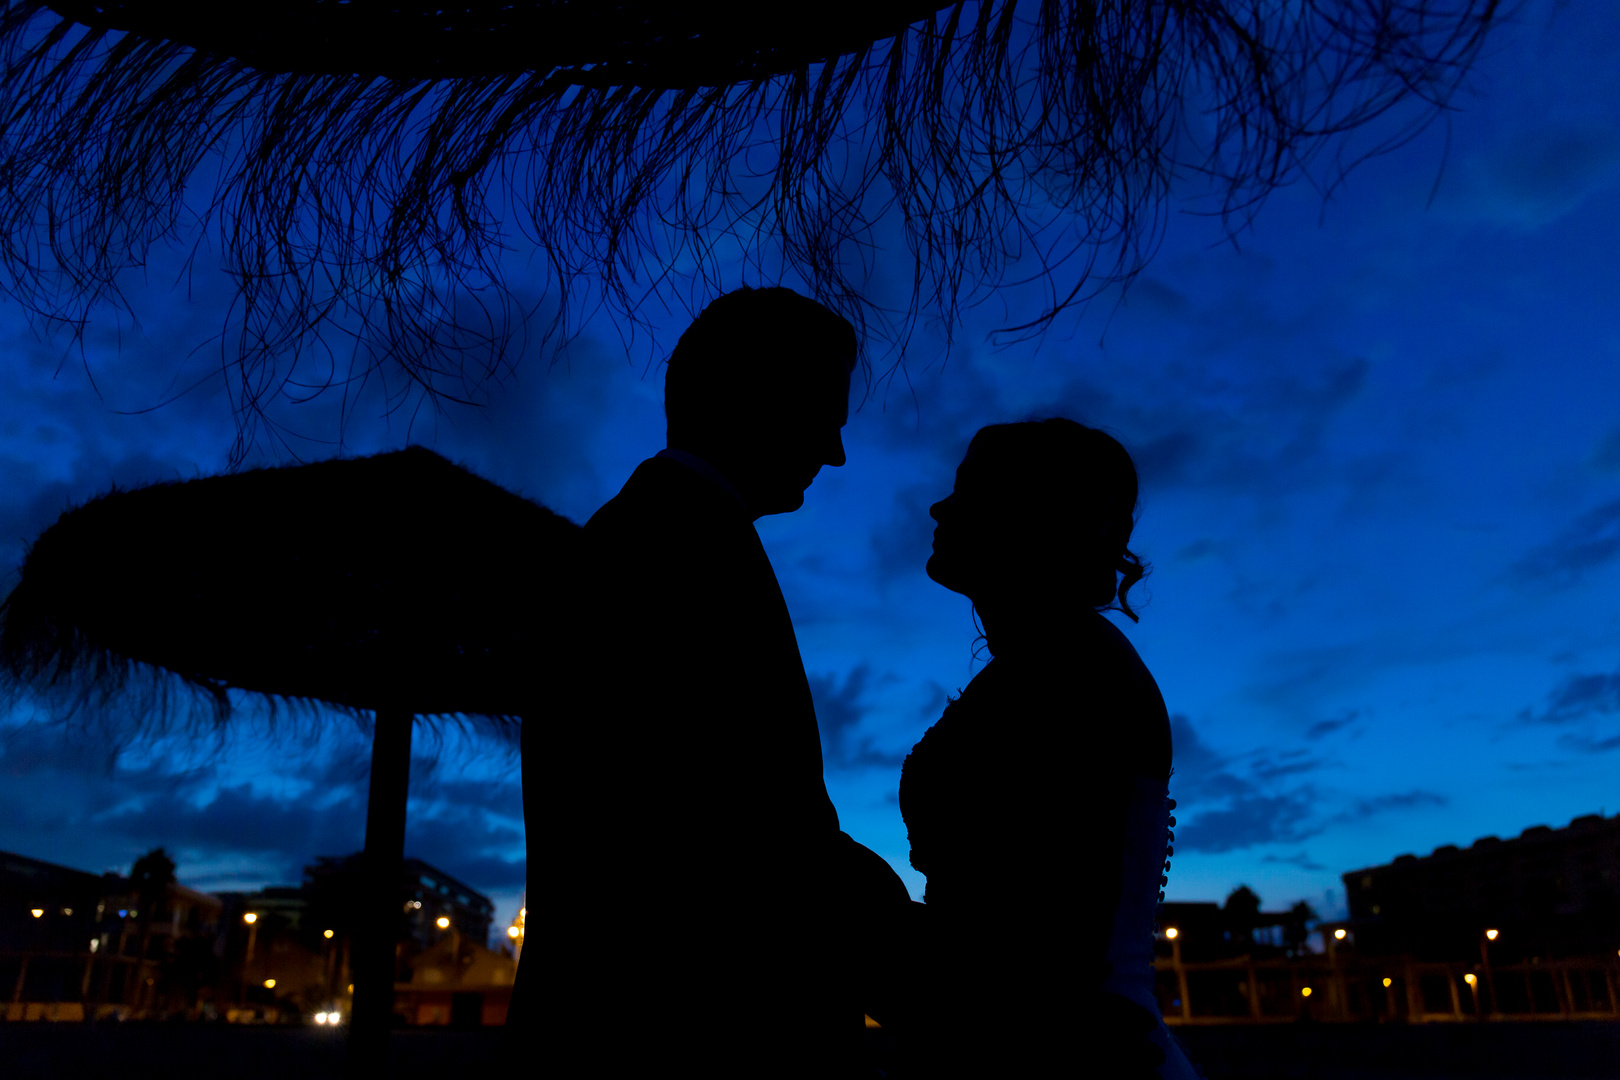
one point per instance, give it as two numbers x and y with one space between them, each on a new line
662 493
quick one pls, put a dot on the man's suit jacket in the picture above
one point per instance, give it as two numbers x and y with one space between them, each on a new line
679 830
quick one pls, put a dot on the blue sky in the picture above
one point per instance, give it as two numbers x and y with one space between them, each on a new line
1380 453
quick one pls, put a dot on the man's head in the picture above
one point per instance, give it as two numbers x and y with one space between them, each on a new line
758 387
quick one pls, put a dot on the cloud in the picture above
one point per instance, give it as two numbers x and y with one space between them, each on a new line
1362 809
840 708
1591 541
1327 727
1534 178
1606 457
1249 820
1228 810
1585 744
63 799
1299 859
1578 697
1232 803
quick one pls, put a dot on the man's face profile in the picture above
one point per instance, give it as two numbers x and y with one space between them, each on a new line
793 437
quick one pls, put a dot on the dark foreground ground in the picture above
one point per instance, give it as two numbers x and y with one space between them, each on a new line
1547 1051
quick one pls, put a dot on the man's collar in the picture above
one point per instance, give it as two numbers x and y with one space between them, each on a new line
703 469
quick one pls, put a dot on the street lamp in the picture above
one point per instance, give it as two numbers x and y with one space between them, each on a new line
252 920
1485 962
1339 934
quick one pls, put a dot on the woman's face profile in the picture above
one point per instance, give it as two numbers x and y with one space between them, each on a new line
970 524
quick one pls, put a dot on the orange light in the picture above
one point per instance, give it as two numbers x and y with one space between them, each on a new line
250 918
1470 978
37 913
326 933
269 984
1171 932
1305 992
1490 935
444 922
1388 982
1339 934
511 931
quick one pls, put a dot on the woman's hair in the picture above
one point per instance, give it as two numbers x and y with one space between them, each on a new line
1079 484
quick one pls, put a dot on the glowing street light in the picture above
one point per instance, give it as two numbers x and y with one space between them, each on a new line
269 984
443 922
1339 933
1388 982
251 917
1305 992
1171 932
1470 978
326 933
512 931
1490 935
37 913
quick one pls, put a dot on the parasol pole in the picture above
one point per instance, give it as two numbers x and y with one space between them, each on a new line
378 909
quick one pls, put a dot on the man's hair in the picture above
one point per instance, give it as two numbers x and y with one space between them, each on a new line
752 348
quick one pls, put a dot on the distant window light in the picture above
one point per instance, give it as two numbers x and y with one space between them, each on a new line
429 882
67 911
95 943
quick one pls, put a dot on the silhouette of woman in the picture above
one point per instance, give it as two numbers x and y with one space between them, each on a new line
1037 806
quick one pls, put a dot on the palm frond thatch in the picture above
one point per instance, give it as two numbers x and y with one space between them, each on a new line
372 159
399 581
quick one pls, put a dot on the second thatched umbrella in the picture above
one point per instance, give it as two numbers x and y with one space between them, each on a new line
399 584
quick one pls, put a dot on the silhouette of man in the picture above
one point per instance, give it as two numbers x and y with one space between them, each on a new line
702 905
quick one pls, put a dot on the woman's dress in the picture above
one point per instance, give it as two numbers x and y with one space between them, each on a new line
1037 808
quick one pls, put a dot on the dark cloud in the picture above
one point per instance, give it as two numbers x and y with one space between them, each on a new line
65 797
1249 820
1578 697
1378 804
1537 176
1593 540
1222 810
839 711
1585 744
1230 803
1607 455
1299 859
1327 727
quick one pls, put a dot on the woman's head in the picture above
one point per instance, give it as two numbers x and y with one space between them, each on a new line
1041 508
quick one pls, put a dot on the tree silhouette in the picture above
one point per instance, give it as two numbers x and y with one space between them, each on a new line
366 164
1296 931
1242 913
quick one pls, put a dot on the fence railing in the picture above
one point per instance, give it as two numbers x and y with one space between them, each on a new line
1243 990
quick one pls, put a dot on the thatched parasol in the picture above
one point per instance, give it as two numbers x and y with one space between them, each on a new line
400 584
368 160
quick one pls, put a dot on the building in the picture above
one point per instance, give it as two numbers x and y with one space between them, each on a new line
74 943
1544 894
427 895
